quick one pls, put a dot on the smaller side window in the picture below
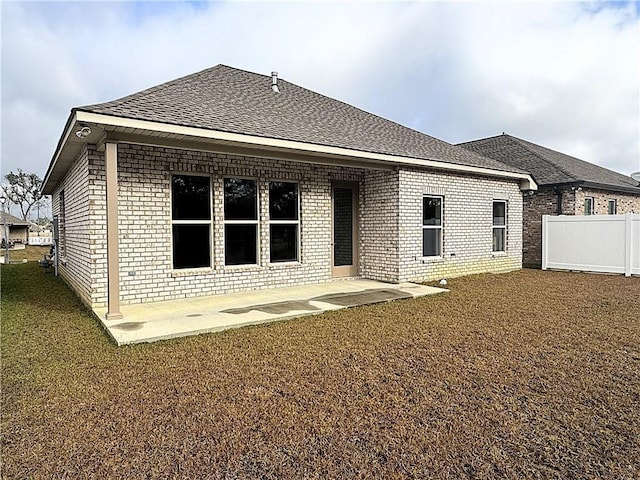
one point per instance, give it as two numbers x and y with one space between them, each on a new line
612 207
431 226
62 225
588 206
499 225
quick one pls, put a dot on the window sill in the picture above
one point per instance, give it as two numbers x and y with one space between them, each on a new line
293 264
499 254
241 268
189 272
431 259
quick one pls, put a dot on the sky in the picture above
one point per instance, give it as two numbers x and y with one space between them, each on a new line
565 75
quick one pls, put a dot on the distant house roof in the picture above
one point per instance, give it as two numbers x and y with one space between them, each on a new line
550 167
11 220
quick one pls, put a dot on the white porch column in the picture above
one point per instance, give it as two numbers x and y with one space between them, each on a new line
113 263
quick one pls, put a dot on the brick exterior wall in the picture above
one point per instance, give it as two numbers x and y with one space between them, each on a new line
545 202
627 203
467 225
390 224
380 226
74 253
144 209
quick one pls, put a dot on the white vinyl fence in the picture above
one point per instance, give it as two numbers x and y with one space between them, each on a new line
594 243
40 240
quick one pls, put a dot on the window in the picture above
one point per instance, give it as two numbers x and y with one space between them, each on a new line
191 221
62 226
499 225
240 221
431 226
612 208
588 206
284 222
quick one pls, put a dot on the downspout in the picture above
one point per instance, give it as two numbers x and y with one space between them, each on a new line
559 194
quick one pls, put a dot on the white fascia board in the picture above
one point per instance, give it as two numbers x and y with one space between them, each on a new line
73 118
527 182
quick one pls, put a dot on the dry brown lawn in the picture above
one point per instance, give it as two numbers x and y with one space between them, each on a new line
524 375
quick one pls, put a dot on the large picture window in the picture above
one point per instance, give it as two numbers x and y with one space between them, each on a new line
191 221
432 226
499 225
284 221
240 221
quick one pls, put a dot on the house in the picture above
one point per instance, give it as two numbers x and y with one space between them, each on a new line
17 229
567 186
225 181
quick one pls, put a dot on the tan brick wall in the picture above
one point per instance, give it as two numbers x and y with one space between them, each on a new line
627 203
74 254
146 273
380 225
467 225
390 216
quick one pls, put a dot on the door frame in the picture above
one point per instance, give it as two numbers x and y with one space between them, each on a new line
347 270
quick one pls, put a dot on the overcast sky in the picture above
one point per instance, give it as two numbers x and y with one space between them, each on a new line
561 74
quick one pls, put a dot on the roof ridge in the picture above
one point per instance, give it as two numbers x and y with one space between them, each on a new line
520 141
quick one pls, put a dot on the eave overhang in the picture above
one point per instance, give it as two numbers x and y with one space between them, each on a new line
592 185
107 128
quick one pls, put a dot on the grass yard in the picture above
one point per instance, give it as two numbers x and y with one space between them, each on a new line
31 253
524 375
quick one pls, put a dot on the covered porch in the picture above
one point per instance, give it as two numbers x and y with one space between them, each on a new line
150 322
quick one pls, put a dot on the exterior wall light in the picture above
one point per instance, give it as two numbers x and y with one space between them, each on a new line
83 132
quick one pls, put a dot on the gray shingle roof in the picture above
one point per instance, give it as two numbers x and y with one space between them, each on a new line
548 167
11 220
231 100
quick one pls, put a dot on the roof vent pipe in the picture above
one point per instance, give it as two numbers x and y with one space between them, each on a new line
274 82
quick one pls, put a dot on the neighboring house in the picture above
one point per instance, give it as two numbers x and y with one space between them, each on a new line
226 180
18 229
567 186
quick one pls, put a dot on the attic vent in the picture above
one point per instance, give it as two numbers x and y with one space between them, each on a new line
274 82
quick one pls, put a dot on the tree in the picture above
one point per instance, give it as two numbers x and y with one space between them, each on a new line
23 190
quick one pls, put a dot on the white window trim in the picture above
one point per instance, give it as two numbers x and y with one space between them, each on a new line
495 227
192 222
62 226
433 227
615 206
593 205
255 222
285 222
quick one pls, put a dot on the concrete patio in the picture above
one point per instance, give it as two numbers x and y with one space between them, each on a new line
150 322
